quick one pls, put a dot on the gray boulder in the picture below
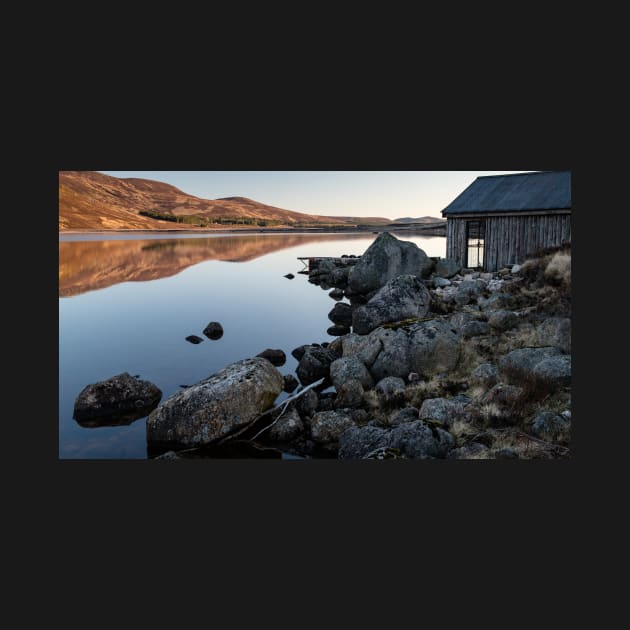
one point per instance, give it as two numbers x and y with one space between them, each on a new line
314 364
554 371
389 386
447 268
475 329
347 368
555 331
364 347
288 427
413 439
216 406
119 398
519 365
433 348
341 314
349 394
387 258
485 374
550 426
401 298
393 357
327 426
502 320
444 410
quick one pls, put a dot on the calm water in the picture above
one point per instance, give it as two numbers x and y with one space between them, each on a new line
126 304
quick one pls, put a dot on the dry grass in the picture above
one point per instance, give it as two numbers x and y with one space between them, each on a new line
558 270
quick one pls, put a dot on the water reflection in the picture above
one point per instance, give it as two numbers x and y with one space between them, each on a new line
89 265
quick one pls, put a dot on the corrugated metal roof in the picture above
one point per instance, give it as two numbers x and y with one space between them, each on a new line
546 190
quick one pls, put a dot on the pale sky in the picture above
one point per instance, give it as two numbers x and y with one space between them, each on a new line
390 194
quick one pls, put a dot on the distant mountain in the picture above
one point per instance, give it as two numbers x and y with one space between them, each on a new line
92 201
426 219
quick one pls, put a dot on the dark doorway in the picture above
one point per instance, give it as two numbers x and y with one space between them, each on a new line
475 239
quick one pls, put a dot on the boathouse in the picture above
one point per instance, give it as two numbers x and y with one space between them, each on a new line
499 220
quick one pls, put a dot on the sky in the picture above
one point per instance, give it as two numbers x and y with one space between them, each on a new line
389 194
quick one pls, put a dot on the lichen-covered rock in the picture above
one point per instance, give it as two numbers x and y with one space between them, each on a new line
445 410
413 439
217 405
327 426
550 426
364 347
401 298
502 320
554 371
389 386
485 374
393 353
288 427
433 348
314 364
346 368
555 331
341 314
447 268
519 365
387 258
119 399
349 394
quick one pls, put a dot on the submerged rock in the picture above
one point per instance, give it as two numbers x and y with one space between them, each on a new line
402 298
213 330
118 400
290 276
217 405
387 258
194 339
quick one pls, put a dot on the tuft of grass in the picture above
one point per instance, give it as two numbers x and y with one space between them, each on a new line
558 271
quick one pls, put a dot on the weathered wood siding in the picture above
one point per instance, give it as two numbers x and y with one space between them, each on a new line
509 239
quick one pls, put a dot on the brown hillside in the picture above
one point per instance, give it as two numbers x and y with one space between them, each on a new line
92 201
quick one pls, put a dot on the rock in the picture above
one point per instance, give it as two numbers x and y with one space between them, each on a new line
387 258
475 329
444 410
341 314
290 276
400 416
336 346
306 405
474 450
169 455
566 414
393 357
516 268
503 320
441 282
503 395
556 332
314 364
339 277
433 348
327 426
384 453
506 453
459 320
550 426
401 298
194 339
350 368
554 371
413 439
495 301
446 268
326 401
288 427
337 330
336 294
389 386
298 353
213 330
358 416
518 366
364 347
289 383
349 394
120 399
217 405
485 374
274 355
469 290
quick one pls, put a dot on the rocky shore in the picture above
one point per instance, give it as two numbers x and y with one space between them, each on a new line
430 361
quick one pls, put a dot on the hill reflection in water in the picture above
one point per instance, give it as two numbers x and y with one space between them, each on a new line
97 264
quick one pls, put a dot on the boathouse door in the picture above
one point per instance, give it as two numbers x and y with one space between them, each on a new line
475 240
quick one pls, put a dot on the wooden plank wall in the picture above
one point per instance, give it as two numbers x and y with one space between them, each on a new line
509 239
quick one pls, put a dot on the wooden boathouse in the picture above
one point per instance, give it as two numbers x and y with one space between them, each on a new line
499 220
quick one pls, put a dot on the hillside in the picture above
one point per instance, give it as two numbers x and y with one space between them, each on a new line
425 219
92 201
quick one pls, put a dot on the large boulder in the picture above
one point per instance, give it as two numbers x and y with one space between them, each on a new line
387 258
314 364
117 400
348 368
413 439
364 347
554 371
433 348
327 426
447 268
393 355
555 331
519 366
401 298
217 405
